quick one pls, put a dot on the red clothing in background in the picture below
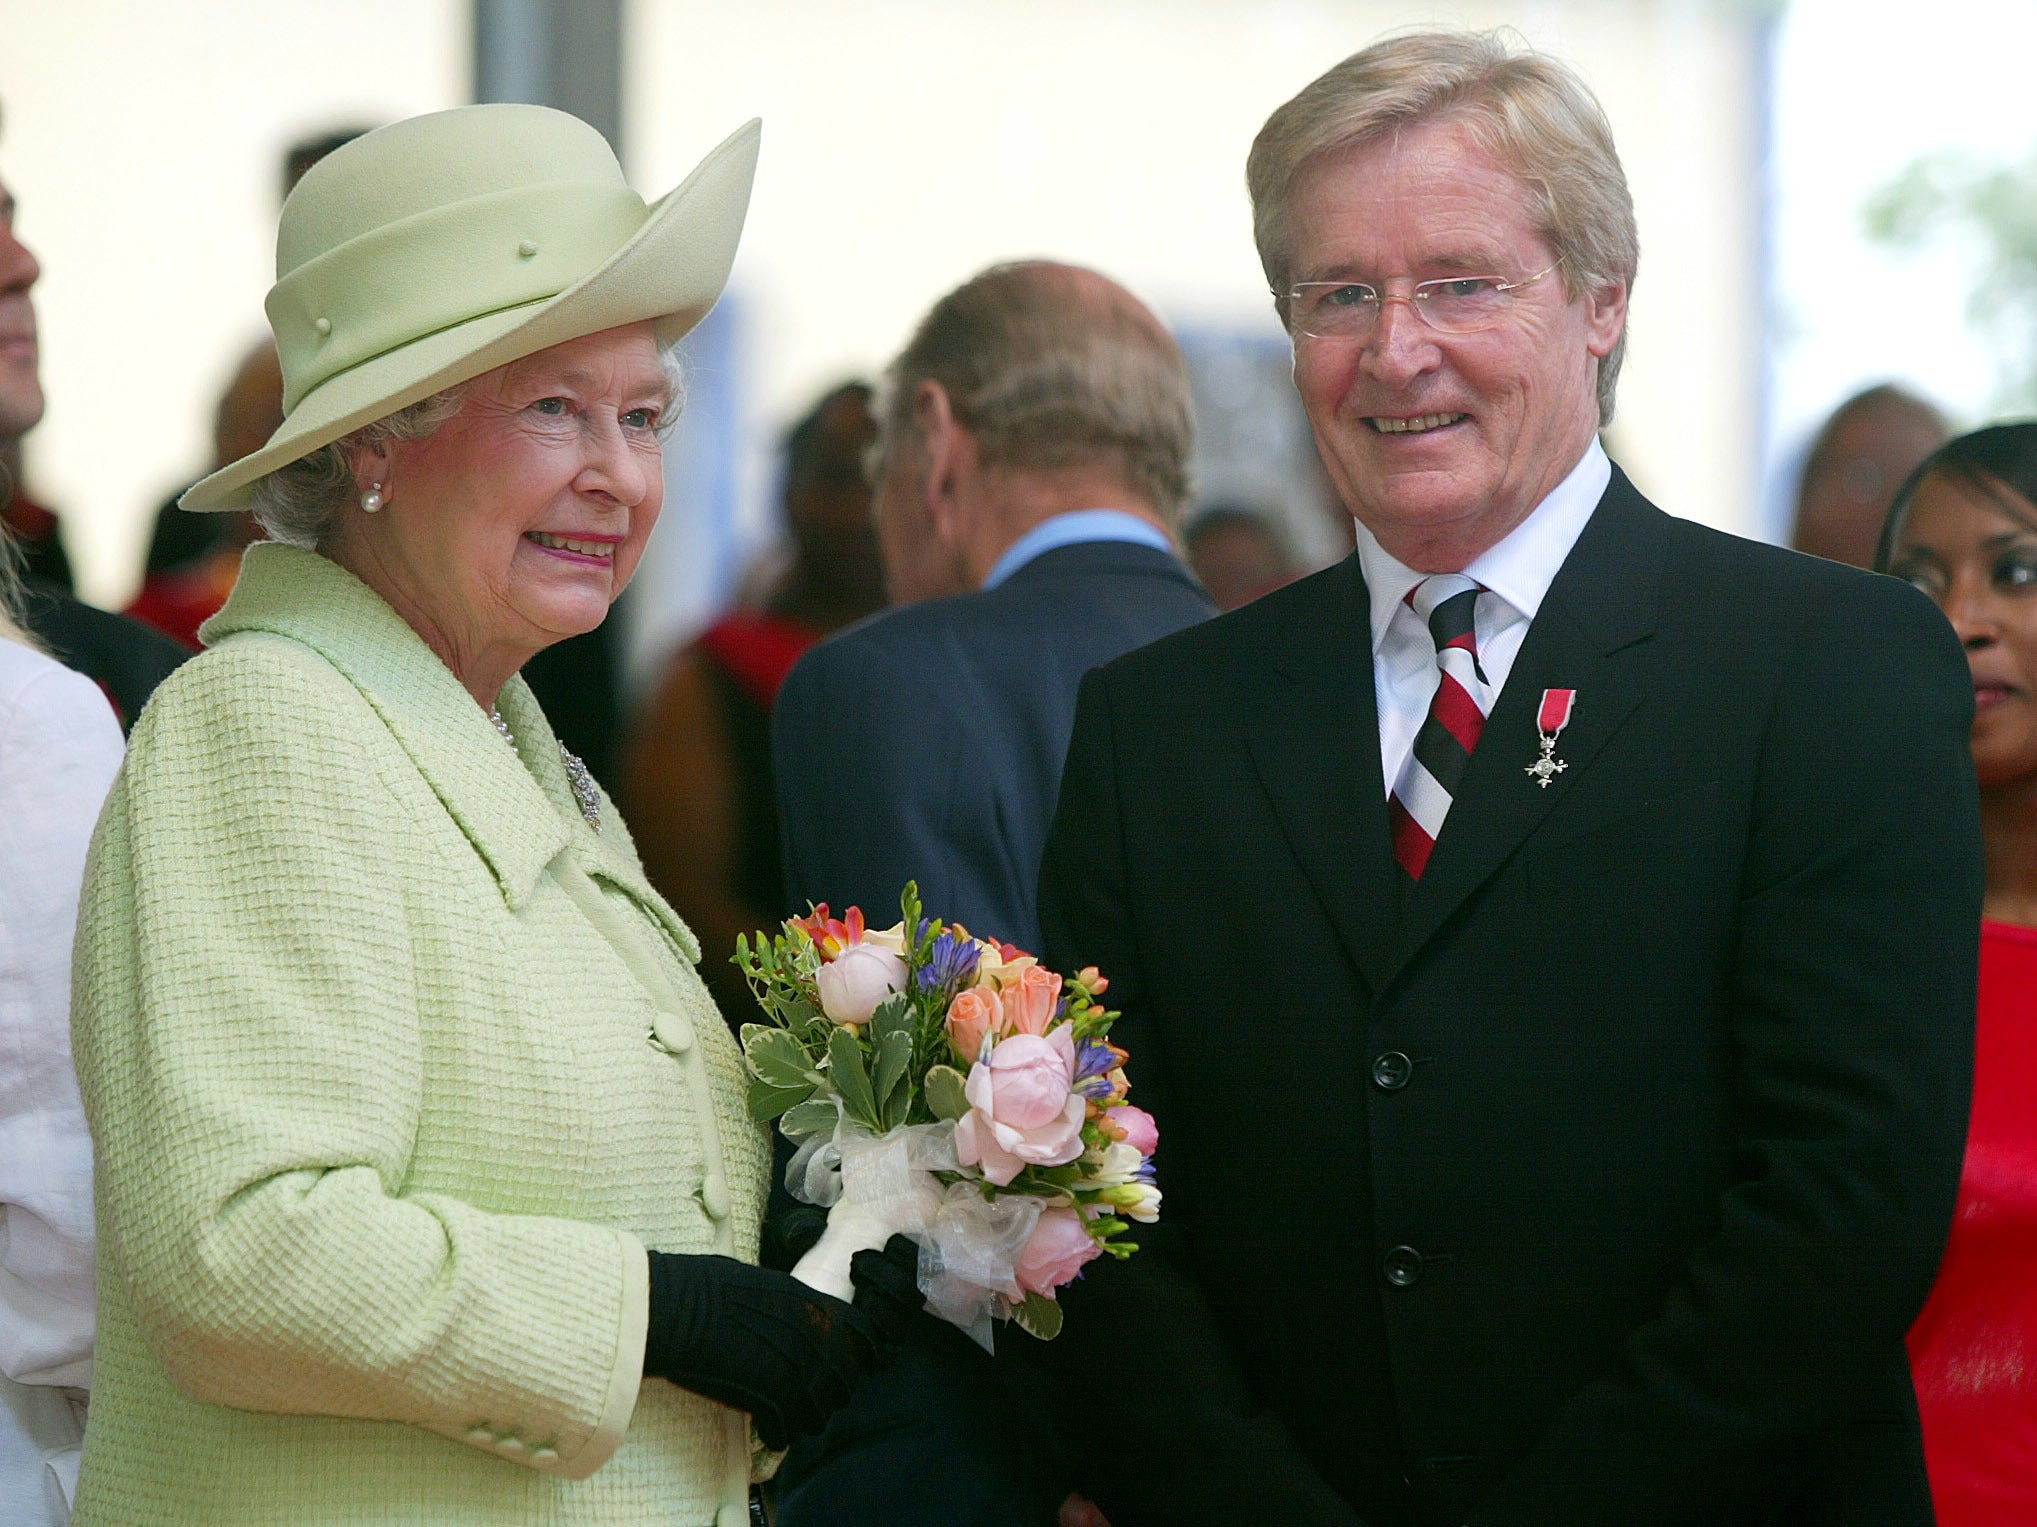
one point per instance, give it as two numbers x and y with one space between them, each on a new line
1973 1351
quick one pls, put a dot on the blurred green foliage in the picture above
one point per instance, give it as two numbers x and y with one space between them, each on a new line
1951 191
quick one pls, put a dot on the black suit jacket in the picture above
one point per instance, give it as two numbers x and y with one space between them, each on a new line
1595 1179
926 744
124 657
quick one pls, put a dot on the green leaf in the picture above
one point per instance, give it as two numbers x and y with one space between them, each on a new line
894 1102
766 1102
811 1118
777 1057
845 1068
894 1053
1039 1315
944 1094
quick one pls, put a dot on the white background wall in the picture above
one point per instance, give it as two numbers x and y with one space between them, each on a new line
143 140
909 142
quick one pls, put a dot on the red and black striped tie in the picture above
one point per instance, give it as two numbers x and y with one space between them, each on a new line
1449 734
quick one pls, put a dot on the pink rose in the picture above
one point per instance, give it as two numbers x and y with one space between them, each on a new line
1022 1112
1141 1133
1029 1002
1059 1248
974 1015
855 981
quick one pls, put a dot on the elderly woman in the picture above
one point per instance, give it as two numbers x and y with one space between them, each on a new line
427 1192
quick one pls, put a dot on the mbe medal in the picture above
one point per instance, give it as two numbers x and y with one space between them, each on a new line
1549 724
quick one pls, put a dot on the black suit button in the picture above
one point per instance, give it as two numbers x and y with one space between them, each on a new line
1402 1267
1392 1071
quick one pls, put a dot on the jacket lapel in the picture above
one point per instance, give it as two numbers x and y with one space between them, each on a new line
1590 636
1315 744
607 855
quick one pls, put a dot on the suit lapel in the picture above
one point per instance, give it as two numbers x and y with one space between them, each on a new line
1591 636
1315 744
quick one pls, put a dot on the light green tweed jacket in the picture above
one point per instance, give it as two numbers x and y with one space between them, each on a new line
394 1066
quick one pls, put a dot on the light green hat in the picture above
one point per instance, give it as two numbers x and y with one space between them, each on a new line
432 250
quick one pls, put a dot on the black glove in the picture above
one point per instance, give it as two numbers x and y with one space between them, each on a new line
789 1233
757 1340
887 1288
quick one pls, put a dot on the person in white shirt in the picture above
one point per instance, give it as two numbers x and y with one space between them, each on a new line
60 747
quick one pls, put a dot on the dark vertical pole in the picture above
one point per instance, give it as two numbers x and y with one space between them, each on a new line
563 53
567 54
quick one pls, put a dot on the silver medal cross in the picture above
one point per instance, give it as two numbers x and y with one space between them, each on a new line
1548 766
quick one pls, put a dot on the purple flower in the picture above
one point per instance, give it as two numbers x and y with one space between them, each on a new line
950 962
1096 1058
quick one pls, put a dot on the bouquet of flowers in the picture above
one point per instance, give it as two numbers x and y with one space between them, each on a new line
949 1088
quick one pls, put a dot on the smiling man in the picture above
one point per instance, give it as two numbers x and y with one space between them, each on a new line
1547 937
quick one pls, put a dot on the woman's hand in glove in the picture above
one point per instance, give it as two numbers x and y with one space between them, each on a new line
887 1288
758 1340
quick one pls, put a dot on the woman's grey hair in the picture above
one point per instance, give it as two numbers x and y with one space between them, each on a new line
302 504
1529 111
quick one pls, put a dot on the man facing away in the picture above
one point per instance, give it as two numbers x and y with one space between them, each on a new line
1031 465
1546 939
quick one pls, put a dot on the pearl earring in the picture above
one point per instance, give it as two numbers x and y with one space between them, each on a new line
372 499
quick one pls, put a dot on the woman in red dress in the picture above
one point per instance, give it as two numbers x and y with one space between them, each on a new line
1964 530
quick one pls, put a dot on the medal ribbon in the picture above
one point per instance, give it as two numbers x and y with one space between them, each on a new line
1555 712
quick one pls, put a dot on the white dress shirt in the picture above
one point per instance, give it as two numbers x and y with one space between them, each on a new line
1516 574
59 749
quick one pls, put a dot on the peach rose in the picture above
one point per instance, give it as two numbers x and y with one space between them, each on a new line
1022 1110
1059 1249
974 1016
1030 1001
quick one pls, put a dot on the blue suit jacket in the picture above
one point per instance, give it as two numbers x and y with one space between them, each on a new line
926 743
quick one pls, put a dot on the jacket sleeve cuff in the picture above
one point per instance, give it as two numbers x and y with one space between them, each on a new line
626 1378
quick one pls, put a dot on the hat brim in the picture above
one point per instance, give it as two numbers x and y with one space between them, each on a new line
670 273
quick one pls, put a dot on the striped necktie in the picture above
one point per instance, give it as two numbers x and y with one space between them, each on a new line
1449 734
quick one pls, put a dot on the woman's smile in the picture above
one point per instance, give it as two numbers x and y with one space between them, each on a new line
587 550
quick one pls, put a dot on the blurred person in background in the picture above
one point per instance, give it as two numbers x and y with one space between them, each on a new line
1861 454
1964 530
59 749
697 771
1032 463
194 558
1238 554
126 659
426 1187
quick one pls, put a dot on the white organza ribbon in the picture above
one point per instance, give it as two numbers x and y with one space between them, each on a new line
878 1186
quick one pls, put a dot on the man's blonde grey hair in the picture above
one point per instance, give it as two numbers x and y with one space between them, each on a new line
1529 111
1051 368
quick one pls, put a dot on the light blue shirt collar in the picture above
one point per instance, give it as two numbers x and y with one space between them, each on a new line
1073 529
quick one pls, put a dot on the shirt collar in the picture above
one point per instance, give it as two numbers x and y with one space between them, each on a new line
1071 529
1524 563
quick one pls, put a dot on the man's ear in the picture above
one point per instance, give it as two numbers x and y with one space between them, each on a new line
950 455
1605 316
